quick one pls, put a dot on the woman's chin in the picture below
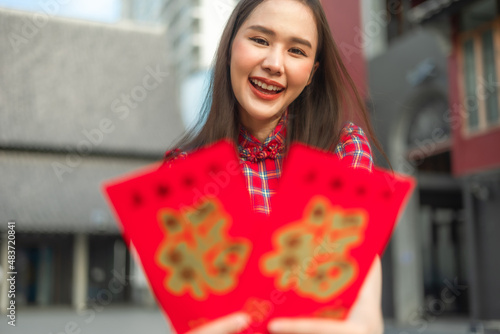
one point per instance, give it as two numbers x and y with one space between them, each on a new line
262 116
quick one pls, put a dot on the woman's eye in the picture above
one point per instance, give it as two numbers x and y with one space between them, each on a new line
297 51
259 40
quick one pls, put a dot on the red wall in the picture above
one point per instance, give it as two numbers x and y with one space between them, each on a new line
344 17
478 152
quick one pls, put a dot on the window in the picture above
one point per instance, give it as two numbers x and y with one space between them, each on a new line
479 43
470 84
489 72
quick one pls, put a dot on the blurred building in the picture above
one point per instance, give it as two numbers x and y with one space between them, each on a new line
195 27
80 102
433 78
144 12
194 30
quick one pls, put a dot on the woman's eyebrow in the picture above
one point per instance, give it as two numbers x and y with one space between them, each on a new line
267 31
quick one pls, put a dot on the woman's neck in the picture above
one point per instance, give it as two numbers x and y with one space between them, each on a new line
260 129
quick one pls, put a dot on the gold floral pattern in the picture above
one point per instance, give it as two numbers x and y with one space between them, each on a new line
336 313
199 256
311 256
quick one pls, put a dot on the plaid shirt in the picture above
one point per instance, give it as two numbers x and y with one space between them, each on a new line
262 173
262 162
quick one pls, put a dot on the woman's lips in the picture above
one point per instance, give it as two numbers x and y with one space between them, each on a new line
263 93
266 81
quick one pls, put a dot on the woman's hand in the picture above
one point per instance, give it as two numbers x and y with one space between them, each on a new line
365 316
230 324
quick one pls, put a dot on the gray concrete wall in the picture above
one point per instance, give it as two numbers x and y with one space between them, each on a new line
80 102
392 96
394 102
484 209
32 194
64 82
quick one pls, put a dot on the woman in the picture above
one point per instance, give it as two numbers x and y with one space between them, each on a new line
278 77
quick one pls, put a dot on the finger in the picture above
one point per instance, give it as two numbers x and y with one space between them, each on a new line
229 324
312 326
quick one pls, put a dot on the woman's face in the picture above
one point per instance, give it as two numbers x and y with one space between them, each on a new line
272 58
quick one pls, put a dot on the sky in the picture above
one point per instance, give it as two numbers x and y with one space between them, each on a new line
94 10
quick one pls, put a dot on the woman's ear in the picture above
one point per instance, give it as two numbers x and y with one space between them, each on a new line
315 67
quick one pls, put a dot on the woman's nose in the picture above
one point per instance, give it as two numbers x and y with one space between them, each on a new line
274 62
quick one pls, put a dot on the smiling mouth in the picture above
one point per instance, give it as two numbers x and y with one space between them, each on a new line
264 88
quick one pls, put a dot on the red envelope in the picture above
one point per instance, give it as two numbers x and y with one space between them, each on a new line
192 227
207 254
328 222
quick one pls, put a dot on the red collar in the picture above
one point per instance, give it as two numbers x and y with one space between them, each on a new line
251 149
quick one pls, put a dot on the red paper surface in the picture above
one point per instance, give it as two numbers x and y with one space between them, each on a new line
328 223
193 263
207 254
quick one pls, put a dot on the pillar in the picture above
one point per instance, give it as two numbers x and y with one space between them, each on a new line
80 271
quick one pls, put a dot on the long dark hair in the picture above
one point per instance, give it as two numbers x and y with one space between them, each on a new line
315 117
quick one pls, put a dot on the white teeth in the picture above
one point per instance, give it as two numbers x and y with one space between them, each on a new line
265 86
